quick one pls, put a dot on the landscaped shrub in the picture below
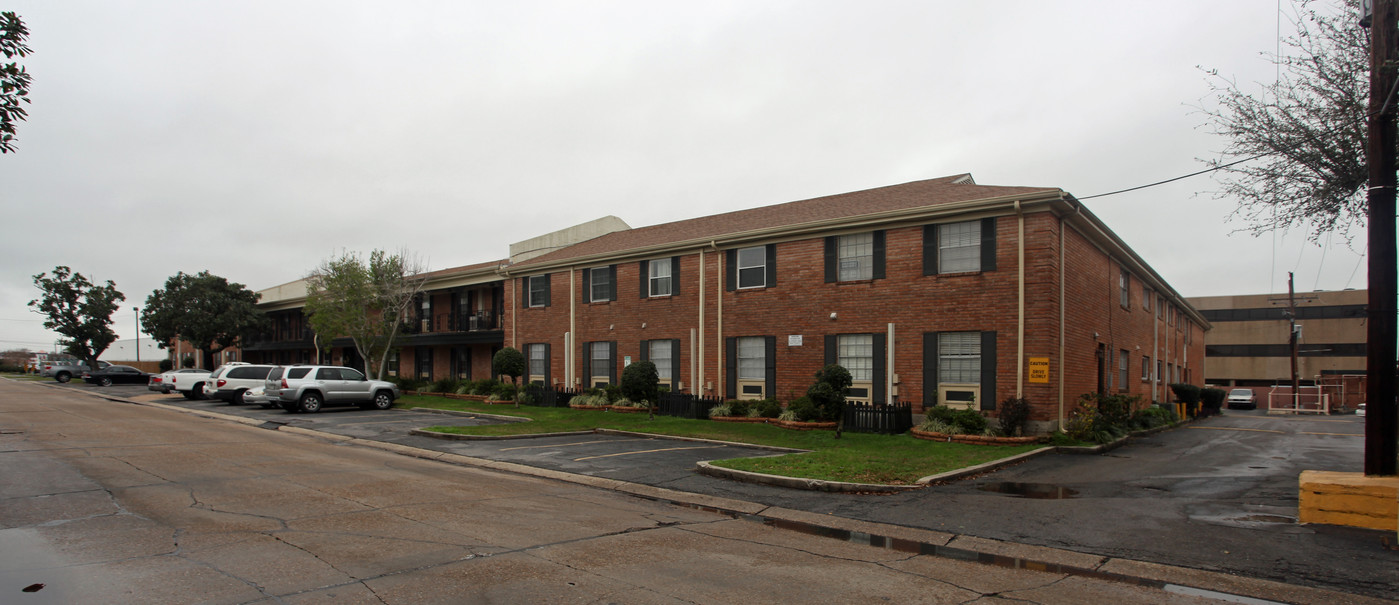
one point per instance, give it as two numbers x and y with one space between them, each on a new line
766 408
408 383
1014 413
504 392
967 421
485 386
803 409
1152 417
589 399
187 361
1188 394
738 407
166 365
640 381
828 393
614 392
1212 399
938 425
465 387
721 411
445 385
1116 410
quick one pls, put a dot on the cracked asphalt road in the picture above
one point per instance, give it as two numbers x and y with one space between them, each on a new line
116 503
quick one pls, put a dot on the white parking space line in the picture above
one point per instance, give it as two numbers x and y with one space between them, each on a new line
668 449
558 445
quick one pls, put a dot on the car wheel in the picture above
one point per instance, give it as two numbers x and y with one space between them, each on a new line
104 381
63 377
239 398
382 401
198 391
311 403
290 407
189 395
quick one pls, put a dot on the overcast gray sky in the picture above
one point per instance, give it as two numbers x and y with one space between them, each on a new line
255 138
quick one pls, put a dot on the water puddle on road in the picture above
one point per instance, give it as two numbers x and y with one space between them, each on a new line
1038 491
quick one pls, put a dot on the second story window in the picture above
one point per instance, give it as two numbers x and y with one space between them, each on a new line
959 247
658 282
752 267
537 294
600 284
855 256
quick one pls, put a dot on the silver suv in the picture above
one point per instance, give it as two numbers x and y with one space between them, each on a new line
229 381
309 388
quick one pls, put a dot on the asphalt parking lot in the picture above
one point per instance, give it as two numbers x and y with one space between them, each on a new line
1218 494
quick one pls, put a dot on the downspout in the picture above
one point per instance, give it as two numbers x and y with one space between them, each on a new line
889 367
1063 224
719 348
572 329
698 388
1156 347
1020 319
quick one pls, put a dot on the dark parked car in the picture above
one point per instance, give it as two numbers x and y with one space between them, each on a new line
111 375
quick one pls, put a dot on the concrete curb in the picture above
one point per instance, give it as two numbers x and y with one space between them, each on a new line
819 485
903 539
501 417
458 437
984 467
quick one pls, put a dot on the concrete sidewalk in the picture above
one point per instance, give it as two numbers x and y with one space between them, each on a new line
897 537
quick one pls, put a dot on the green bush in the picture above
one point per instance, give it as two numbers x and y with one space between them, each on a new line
445 385
166 365
1188 394
828 393
504 392
613 392
804 409
1152 417
1014 413
408 383
640 382
721 411
508 361
187 361
466 387
737 407
1212 399
966 421
766 408
485 386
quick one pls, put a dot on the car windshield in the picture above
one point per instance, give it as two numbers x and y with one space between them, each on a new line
1241 393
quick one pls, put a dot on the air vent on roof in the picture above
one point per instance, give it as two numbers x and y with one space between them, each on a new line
965 179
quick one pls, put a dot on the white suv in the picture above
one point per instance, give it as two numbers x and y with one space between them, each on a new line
231 380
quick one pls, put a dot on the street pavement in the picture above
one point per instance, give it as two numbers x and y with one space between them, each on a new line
104 502
1218 495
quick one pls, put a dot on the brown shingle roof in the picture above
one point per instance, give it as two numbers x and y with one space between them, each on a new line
463 269
917 194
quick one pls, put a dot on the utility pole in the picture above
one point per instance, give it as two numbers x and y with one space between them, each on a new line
1382 415
1292 342
137 310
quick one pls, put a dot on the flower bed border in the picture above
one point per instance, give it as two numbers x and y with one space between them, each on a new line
975 439
625 409
587 407
739 419
794 425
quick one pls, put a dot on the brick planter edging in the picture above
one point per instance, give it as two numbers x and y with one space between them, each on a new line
738 419
805 426
975 439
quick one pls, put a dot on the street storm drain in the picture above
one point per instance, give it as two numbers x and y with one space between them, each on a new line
271 426
1038 491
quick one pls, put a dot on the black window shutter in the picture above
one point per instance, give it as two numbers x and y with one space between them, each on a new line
830 349
988 244
878 377
546 290
587 293
612 282
588 365
612 362
644 288
524 289
930 249
988 370
645 350
674 275
770 367
831 245
731 368
730 270
879 254
772 266
675 363
547 363
930 369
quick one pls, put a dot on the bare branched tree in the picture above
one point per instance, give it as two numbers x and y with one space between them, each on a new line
1307 131
365 301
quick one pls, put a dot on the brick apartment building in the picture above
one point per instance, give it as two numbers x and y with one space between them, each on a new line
935 291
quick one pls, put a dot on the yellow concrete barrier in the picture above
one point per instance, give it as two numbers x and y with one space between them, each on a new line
1352 499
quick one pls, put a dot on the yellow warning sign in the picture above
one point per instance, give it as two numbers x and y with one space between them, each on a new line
1039 369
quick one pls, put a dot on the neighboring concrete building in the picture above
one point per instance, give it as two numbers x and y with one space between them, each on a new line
1249 344
936 291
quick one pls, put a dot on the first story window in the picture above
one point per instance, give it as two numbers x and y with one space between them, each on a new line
600 363
461 363
855 352
662 354
538 355
959 357
1146 369
392 363
422 357
1123 367
1159 366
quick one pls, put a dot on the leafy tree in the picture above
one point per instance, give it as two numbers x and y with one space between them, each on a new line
204 310
1307 130
509 362
365 301
828 394
641 382
78 310
14 81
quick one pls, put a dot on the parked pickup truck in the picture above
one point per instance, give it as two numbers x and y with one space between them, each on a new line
64 370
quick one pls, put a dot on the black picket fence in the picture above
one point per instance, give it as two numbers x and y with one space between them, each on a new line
887 418
546 397
682 405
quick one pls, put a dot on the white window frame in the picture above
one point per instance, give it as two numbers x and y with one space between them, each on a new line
606 360
752 350
963 348
665 362
855 257
658 283
855 353
535 353
606 284
536 295
750 269
959 247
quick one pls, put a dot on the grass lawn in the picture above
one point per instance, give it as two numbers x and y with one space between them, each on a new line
855 457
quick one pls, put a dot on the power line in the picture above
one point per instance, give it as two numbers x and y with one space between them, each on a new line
1185 176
